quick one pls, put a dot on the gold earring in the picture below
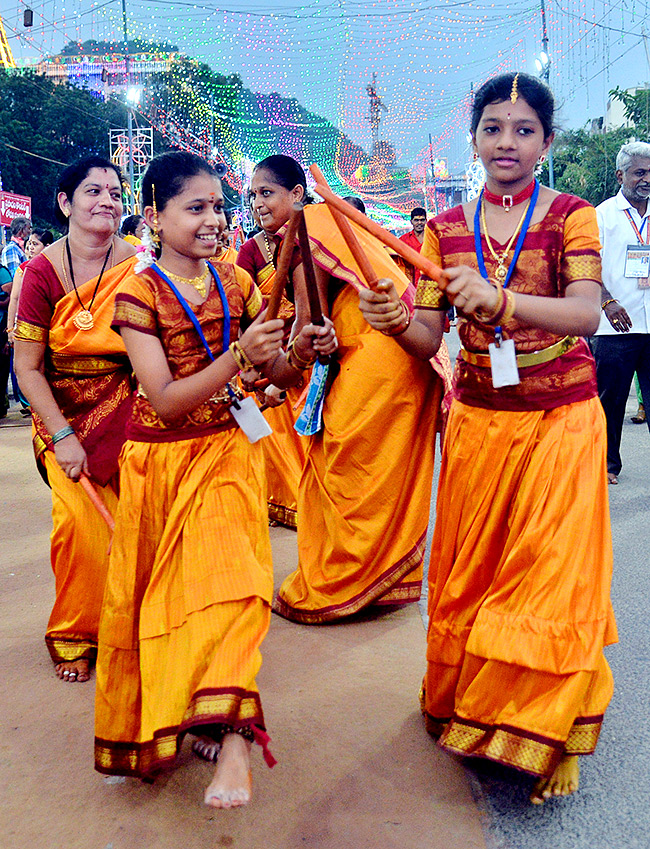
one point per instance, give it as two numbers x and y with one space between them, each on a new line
155 235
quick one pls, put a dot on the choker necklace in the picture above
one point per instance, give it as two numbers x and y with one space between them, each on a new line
83 320
501 271
198 282
508 201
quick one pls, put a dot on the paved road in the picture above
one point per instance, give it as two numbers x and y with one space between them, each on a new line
611 809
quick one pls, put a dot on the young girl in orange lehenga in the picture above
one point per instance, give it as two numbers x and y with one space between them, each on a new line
521 562
188 592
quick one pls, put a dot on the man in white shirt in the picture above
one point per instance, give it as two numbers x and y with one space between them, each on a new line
621 344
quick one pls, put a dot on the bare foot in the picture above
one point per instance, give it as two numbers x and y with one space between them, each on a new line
232 784
563 782
73 670
206 748
612 478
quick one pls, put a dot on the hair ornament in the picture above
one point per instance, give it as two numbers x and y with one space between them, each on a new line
514 94
146 252
155 235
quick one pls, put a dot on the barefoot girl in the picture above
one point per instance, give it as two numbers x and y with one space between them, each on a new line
521 560
188 594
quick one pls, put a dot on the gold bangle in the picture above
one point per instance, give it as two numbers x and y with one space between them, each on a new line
493 316
295 360
241 358
403 324
607 303
510 306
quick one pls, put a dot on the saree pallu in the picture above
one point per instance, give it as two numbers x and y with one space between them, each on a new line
90 377
366 486
284 449
187 601
519 606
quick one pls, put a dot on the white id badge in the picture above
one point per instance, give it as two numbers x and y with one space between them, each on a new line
637 261
250 420
503 362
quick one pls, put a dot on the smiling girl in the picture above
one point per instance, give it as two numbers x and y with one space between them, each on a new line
188 593
519 606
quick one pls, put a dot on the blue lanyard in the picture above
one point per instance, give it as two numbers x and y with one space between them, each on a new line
638 230
190 312
478 245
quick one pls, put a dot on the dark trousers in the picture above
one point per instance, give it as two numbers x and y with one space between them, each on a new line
617 358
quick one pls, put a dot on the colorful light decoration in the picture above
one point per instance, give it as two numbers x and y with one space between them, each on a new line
427 57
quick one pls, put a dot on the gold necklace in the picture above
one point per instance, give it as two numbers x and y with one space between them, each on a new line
198 282
269 252
83 320
501 272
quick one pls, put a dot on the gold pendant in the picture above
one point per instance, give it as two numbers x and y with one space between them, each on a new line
83 320
501 273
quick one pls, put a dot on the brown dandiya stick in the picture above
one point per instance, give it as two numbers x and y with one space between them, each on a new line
98 504
315 309
427 267
284 262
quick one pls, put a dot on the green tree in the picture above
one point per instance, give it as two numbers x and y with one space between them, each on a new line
637 109
584 163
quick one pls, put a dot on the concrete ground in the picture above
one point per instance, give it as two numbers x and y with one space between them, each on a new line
356 769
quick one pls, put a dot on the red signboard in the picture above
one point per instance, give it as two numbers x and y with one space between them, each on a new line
12 206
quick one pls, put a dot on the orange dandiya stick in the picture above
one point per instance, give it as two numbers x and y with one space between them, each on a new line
98 504
284 262
427 267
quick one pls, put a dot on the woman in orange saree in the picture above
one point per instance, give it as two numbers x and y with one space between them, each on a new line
277 183
521 561
365 489
188 592
75 373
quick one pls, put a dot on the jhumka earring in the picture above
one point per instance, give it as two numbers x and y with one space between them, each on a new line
514 93
475 156
155 235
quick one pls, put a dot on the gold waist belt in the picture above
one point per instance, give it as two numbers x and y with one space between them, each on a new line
535 358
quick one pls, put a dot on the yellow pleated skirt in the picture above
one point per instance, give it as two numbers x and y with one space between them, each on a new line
187 601
519 586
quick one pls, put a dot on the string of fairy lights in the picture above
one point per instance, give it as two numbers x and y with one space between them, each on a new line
320 55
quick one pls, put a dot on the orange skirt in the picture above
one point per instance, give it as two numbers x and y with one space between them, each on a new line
284 457
364 495
519 586
79 554
187 600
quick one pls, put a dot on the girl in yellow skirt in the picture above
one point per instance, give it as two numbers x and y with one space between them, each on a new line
188 593
519 582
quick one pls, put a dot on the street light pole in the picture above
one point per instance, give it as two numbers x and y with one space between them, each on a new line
127 65
544 66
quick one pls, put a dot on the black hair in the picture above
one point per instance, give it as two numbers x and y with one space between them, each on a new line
228 214
418 212
168 173
286 172
74 175
130 224
356 202
45 237
537 95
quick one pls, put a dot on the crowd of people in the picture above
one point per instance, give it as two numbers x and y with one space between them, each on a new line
141 359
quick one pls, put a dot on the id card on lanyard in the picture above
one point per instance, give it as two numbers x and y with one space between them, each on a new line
637 257
503 356
245 412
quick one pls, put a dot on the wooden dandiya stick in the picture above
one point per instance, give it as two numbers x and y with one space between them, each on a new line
428 268
284 263
315 309
97 502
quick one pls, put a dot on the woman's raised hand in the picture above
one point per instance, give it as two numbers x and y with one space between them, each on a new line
381 306
262 341
315 339
468 291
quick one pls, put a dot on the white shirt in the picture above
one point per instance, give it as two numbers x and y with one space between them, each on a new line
616 233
